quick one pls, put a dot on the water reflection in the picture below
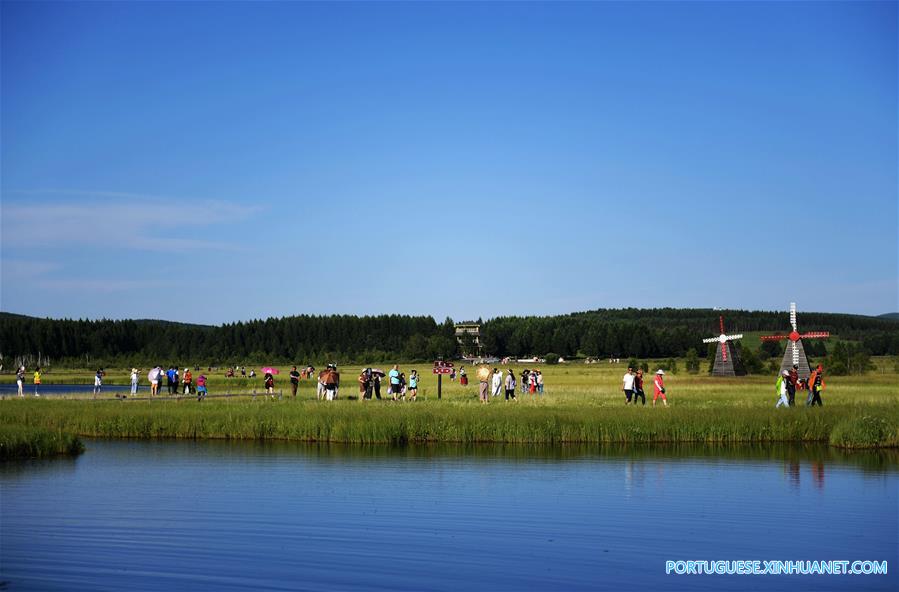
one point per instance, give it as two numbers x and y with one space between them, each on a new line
219 515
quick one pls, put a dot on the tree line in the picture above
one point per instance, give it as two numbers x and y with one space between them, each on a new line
642 333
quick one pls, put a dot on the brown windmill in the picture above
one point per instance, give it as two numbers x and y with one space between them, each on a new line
726 361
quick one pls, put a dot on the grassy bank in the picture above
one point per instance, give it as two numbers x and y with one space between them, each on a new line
582 403
850 426
30 441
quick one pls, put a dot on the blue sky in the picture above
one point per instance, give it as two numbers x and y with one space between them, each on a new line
211 162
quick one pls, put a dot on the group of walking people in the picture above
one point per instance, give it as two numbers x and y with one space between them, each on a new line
788 382
632 385
398 386
174 380
20 381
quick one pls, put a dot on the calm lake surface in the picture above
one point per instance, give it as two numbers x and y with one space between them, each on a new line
241 516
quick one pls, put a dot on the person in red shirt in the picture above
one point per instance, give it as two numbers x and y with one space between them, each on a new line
659 384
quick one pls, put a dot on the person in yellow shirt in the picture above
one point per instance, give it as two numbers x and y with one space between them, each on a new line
37 380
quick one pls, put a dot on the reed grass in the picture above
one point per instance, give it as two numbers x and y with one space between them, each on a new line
846 425
29 441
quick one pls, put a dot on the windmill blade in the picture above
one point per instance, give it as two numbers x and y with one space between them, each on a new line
793 315
815 335
774 337
721 320
710 340
795 353
733 337
724 352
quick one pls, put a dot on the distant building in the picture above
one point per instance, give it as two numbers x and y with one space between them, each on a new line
468 335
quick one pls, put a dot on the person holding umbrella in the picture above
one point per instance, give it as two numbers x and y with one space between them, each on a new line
483 386
268 379
376 374
153 377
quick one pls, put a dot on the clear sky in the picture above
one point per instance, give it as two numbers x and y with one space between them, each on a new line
212 162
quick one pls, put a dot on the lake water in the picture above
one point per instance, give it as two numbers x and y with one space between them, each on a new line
241 516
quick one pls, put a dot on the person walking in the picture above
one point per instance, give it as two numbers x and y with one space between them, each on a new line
524 380
394 385
134 372
638 387
98 381
332 382
483 383
532 382
376 384
154 380
792 383
510 385
403 385
201 388
364 380
463 376
539 380
496 382
659 384
188 381
628 385
269 381
37 381
294 381
815 386
413 385
20 381
320 388
780 389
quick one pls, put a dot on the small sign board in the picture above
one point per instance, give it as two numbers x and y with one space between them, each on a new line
442 364
441 371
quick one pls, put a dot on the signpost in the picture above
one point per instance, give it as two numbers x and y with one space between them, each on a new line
441 368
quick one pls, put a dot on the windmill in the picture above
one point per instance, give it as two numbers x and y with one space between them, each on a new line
795 353
726 361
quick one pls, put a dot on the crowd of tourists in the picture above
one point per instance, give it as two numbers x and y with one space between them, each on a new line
399 387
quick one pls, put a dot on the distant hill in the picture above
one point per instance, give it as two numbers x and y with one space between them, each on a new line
893 316
156 322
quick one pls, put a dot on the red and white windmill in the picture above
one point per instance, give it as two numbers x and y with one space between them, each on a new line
726 362
795 353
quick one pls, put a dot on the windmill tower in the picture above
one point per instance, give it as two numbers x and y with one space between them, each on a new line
795 353
726 361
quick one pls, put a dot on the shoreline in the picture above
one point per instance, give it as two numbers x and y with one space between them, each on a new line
847 427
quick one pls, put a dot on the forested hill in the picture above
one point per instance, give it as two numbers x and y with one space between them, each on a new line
620 332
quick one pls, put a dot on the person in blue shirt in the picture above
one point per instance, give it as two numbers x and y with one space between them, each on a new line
394 376
170 375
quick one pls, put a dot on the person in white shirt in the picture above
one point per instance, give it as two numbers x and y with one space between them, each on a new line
628 385
497 382
134 381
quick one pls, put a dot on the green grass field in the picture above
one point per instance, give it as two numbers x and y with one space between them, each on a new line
582 403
